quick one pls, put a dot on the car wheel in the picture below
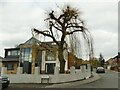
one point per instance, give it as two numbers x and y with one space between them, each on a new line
5 86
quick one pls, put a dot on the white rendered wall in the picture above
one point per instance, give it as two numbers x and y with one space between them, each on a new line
55 78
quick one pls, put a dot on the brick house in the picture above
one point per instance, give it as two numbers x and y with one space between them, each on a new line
114 63
74 61
11 60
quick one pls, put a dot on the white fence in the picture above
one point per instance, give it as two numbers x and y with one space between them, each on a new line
74 75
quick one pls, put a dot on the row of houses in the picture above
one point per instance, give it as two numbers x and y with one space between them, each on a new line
34 53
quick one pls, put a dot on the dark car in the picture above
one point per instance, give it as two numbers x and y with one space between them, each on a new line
100 70
5 81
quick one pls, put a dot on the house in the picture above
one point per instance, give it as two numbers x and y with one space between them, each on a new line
11 60
31 54
114 63
74 61
34 53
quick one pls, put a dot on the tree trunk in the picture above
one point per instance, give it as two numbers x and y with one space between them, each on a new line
62 60
62 66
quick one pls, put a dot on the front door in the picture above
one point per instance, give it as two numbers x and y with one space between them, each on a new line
50 68
27 67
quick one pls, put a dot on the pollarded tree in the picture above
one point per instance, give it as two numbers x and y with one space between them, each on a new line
66 23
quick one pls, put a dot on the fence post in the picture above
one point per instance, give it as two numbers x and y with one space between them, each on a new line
4 70
72 70
83 70
56 74
37 70
19 70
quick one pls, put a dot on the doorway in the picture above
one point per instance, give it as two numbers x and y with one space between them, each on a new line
27 67
50 68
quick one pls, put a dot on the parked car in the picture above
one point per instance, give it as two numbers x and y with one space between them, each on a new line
100 70
5 81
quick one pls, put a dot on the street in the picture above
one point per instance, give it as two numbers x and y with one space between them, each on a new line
107 80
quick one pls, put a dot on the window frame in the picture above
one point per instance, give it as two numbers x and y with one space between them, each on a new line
50 56
11 52
26 54
9 66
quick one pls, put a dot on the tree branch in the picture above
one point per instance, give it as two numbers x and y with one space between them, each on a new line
54 18
45 34
62 15
55 26
75 26
68 33
51 30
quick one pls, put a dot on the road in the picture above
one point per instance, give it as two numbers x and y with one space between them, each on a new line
107 80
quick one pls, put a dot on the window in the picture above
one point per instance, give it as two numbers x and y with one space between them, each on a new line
50 56
9 66
26 54
13 53
9 53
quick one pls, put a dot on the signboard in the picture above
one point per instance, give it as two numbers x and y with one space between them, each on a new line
45 76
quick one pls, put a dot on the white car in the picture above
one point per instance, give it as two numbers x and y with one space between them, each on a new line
4 81
100 70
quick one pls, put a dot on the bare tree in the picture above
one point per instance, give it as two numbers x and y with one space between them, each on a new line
67 23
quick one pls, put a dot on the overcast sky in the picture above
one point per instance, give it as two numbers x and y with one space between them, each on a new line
17 17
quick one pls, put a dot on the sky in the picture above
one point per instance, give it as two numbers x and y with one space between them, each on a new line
18 17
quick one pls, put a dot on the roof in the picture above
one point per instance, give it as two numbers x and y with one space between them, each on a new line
117 56
12 48
44 45
32 40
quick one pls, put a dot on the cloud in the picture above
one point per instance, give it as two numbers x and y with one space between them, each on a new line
17 17
105 43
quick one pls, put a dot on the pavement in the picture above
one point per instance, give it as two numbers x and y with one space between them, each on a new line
113 71
95 77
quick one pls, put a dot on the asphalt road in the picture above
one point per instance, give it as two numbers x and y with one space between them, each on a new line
107 80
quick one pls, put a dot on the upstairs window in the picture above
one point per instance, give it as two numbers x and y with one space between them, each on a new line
9 53
13 53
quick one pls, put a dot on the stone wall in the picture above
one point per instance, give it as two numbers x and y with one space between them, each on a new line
74 75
